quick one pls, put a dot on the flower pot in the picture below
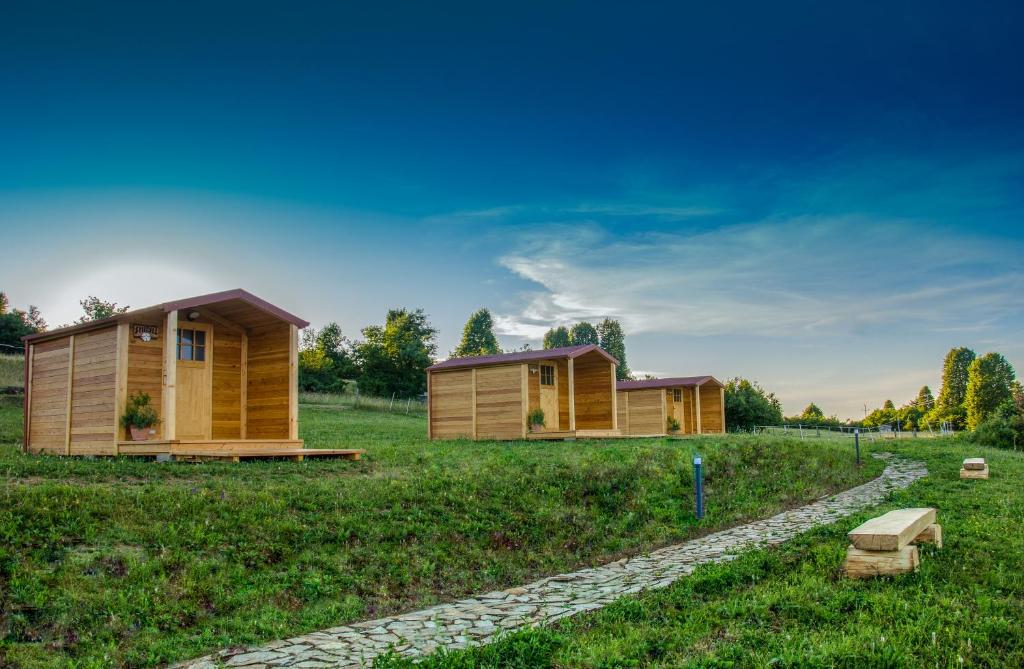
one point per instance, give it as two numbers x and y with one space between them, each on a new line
141 433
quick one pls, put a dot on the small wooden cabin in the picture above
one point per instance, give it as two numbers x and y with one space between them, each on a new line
697 402
221 370
491 397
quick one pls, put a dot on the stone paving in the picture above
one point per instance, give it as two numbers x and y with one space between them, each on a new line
478 620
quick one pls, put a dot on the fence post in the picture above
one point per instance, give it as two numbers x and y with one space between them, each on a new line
357 398
856 444
392 404
408 405
698 480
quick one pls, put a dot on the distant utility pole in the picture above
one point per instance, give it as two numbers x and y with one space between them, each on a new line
865 410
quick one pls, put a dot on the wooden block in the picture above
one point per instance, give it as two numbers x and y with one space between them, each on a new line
868 564
931 535
892 531
975 463
974 473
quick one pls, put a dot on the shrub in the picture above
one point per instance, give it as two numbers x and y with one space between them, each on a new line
672 424
535 417
1003 429
139 412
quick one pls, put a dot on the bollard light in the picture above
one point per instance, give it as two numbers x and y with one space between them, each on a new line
856 443
698 478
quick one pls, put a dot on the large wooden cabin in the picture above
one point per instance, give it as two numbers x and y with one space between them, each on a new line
491 397
221 369
696 402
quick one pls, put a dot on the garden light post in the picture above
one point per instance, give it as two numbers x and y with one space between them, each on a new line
698 479
856 443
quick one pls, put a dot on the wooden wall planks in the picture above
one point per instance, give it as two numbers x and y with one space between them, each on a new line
593 401
49 396
499 402
227 385
451 404
644 413
267 389
710 409
93 392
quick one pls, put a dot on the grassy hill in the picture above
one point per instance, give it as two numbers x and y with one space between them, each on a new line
12 371
134 563
791 606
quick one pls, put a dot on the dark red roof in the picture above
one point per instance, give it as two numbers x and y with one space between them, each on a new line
673 382
522 356
167 307
236 294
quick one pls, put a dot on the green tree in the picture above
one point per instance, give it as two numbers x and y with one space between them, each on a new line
96 309
884 416
748 405
949 407
325 360
583 333
925 401
812 414
478 336
393 358
613 340
557 338
15 324
989 385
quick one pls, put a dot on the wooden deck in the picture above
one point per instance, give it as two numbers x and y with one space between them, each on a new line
575 434
233 449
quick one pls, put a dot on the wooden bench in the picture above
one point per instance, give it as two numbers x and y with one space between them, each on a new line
974 468
886 545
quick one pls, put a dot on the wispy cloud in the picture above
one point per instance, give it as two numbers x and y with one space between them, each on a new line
805 275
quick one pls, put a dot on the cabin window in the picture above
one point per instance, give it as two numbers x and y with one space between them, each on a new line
191 344
677 394
547 375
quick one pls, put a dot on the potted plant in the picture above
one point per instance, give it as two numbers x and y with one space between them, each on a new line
139 417
673 424
535 420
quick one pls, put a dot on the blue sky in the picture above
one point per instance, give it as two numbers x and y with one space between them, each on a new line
823 199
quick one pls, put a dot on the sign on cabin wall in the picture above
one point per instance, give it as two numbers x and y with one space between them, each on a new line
145 332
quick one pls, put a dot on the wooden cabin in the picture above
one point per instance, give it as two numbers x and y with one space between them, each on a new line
697 402
492 397
221 369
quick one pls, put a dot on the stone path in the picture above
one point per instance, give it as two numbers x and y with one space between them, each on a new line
479 619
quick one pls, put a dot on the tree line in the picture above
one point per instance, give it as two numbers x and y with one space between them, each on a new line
975 390
18 323
392 359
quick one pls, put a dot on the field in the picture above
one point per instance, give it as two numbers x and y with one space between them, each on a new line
12 371
133 563
791 607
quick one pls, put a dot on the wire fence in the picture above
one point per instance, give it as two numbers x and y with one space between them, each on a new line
801 431
355 400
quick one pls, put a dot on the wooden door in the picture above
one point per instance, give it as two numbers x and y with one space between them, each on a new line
194 410
677 407
549 396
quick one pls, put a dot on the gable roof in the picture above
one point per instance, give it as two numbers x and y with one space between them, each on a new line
672 382
566 352
236 295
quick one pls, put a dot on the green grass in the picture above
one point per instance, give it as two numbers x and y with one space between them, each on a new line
792 607
352 400
12 370
133 563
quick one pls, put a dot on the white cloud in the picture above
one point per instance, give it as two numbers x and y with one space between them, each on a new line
781 278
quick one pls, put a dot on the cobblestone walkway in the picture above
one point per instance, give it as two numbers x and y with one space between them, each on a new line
479 619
